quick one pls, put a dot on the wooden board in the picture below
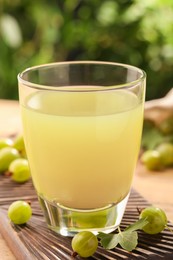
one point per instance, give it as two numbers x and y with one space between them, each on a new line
35 241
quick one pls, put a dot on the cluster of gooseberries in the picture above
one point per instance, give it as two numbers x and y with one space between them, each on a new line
159 158
85 243
13 162
157 139
13 159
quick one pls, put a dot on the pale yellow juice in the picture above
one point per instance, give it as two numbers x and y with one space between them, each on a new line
82 147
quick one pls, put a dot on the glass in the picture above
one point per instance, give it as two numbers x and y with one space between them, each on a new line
82 124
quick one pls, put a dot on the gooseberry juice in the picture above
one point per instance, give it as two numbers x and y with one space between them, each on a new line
82 147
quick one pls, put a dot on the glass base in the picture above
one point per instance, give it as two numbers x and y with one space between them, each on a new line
67 221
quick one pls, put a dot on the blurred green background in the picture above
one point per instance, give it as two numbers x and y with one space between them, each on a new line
138 32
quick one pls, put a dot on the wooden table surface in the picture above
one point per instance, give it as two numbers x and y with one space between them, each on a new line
156 187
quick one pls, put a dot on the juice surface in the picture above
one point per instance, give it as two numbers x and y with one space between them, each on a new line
82 147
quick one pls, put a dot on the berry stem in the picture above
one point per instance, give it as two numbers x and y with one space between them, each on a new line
170 229
119 230
139 210
74 254
8 173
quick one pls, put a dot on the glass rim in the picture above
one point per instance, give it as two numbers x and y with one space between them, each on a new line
90 62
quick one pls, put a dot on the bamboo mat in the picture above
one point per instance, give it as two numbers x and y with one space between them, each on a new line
35 241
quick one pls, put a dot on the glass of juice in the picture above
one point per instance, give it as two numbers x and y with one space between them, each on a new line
82 125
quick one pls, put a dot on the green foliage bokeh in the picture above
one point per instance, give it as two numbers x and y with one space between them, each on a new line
137 32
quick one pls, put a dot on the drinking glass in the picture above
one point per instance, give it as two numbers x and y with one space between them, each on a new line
82 124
